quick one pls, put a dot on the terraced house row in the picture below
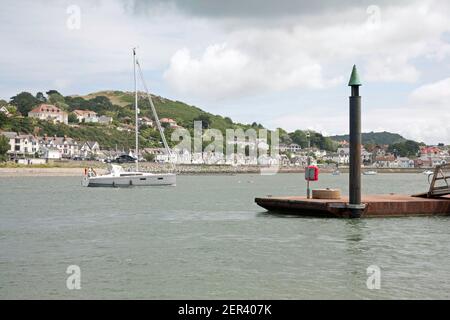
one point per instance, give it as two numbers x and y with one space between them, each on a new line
27 145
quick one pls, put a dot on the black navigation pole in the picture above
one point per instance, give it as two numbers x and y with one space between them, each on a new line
355 205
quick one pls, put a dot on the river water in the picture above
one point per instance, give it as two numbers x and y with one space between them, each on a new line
206 239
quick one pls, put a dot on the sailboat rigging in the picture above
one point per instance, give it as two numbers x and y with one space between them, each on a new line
117 177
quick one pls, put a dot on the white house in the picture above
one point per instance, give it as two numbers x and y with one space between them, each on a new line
387 161
293 147
172 123
404 162
86 116
366 156
319 153
50 113
90 149
105 120
51 153
5 111
23 144
343 155
67 147
146 121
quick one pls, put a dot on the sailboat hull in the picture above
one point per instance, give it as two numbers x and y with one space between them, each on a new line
131 180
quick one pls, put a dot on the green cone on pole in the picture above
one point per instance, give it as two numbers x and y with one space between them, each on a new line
354 78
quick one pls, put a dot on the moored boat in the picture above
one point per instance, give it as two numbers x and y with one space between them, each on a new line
117 176
336 173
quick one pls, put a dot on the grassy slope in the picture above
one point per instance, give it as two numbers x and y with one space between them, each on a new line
374 138
181 112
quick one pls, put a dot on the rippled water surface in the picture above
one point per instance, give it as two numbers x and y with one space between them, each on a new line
207 239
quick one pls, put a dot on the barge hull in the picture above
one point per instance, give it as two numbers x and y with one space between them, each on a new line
392 205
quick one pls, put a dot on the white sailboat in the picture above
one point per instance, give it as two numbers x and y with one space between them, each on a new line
117 176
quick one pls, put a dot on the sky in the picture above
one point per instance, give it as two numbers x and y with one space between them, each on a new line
283 63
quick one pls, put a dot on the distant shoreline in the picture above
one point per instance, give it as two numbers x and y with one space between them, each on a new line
36 171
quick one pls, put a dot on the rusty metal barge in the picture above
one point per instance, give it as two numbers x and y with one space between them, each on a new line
329 203
391 205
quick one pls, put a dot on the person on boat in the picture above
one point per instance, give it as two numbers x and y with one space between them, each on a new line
91 172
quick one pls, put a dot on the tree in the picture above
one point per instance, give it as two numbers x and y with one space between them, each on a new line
321 142
3 103
299 137
58 100
72 118
24 102
101 103
40 96
205 119
50 92
150 157
75 103
4 148
407 148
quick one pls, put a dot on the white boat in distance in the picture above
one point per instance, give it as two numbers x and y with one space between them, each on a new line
428 172
370 173
117 176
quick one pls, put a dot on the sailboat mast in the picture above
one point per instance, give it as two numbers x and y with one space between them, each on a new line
136 111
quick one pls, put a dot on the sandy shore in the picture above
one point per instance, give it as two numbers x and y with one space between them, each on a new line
44 172
181 169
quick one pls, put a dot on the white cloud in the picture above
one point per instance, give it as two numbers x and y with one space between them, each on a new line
43 52
419 124
429 110
296 54
425 117
209 54
391 69
434 94
222 71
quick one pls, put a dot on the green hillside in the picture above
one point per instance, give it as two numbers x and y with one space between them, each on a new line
183 113
120 106
374 138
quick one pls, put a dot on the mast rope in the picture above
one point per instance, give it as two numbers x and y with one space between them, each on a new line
155 115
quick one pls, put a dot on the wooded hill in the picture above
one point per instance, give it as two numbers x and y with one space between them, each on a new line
120 106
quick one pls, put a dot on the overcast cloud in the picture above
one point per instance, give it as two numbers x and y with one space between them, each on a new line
282 63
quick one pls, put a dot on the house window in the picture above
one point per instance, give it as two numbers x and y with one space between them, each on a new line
17 148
